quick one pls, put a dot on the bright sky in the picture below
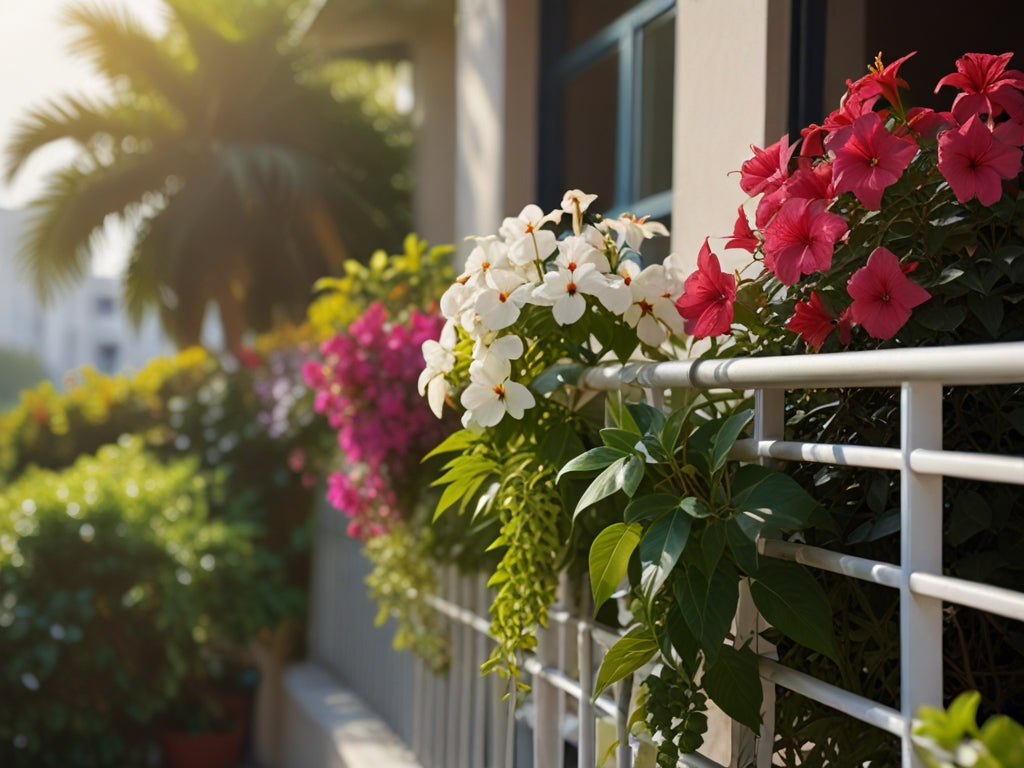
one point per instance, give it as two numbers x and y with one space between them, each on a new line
34 66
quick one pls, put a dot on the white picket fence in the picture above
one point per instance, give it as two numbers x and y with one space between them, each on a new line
461 722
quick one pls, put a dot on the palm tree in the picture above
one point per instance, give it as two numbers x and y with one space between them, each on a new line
244 178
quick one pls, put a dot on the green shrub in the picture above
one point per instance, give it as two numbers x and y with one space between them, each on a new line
116 590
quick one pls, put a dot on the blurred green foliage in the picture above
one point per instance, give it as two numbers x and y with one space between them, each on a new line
118 591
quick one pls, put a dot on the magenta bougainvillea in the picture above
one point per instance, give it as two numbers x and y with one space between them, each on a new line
365 384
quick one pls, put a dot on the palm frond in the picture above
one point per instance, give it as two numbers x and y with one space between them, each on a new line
120 47
66 219
85 122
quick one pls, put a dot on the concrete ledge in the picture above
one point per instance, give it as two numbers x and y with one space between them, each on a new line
327 726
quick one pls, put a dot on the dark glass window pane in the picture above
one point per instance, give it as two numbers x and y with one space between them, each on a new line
589 107
584 18
654 171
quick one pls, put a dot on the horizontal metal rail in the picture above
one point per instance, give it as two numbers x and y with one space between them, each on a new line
819 453
865 710
886 574
1000 363
969 466
970 594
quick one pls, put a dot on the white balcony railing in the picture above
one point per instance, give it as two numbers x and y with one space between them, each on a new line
460 722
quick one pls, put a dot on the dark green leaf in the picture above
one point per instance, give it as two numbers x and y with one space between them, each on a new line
695 507
609 557
631 652
673 634
562 374
649 420
620 439
708 603
765 497
673 428
560 444
794 603
989 310
710 444
660 549
654 448
649 506
734 684
595 458
743 548
939 317
712 545
633 475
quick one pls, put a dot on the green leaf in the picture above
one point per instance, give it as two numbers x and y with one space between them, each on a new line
673 428
674 635
649 506
620 439
695 507
938 317
649 420
766 497
617 414
560 375
712 545
712 442
734 684
595 458
660 549
560 444
708 603
631 652
633 475
609 558
794 603
456 442
989 310
1004 739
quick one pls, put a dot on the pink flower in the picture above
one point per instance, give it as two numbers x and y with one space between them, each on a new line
812 321
814 138
926 123
974 162
801 238
811 182
767 169
883 295
742 235
988 87
868 159
708 297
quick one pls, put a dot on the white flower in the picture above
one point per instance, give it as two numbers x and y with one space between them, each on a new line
499 302
576 251
490 256
652 311
439 359
634 231
527 241
491 393
505 348
575 202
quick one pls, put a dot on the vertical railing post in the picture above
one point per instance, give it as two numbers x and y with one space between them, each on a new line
586 740
484 708
920 550
547 735
749 748
623 697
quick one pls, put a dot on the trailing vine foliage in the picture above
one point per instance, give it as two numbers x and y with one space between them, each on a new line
403 575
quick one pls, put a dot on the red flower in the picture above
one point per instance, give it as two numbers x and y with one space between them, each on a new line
869 159
926 123
975 163
708 296
767 169
814 138
812 321
742 235
882 295
801 238
988 87
881 81
811 182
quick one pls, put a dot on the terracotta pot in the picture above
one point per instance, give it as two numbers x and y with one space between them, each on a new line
213 749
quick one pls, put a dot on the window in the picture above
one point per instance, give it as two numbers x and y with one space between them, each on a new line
607 102
106 357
